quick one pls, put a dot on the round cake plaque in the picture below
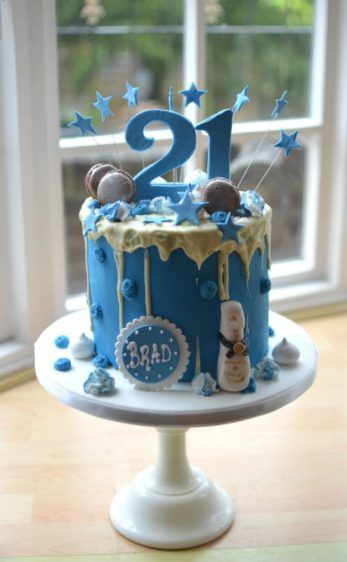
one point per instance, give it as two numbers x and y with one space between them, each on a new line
152 353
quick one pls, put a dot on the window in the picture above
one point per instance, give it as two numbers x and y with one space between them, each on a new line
178 41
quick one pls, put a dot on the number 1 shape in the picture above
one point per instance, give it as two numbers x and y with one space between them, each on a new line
218 128
183 146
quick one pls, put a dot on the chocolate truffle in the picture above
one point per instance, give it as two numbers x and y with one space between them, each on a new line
94 175
116 186
221 195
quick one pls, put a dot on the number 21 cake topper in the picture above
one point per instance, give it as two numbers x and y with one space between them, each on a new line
152 353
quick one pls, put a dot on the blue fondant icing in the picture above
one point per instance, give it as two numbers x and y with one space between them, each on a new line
129 288
218 128
62 342
94 204
265 285
62 364
96 311
101 361
208 290
219 216
99 383
100 255
175 295
141 208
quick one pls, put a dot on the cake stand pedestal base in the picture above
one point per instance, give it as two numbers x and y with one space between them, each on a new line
172 505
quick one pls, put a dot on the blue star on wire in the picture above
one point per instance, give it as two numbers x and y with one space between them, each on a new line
288 142
155 220
131 95
103 105
280 104
90 222
84 124
171 99
229 229
241 100
186 209
192 95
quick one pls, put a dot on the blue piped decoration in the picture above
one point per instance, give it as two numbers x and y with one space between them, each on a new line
62 364
267 370
229 229
84 124
129 289
280 104
208 290
99 383
100 255
94 204
271 332
131 95
241 100
62 342
103 105
251 388
91 222
204 384
219 216
141 208
186 209
288 142
101 361
265 285
192 95
96 311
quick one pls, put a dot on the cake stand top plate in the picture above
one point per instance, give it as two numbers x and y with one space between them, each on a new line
177 406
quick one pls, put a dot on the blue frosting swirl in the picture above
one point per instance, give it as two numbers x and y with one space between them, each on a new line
96 311
100 255
219 216
99 383
129 288
101 361
251 388
265 285
62 342
208 290
62 364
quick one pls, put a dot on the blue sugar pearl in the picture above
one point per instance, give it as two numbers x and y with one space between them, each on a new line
271 332
62 364
129 288
265 285
101 361
208 290
96 311
62 342
100 255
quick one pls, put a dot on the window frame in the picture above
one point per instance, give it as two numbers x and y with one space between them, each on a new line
33 155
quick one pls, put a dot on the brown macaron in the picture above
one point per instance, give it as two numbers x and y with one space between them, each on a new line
221 195
93 177
116 186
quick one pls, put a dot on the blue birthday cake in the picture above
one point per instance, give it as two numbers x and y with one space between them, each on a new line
178 272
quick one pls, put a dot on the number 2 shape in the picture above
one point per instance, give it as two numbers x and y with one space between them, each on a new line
183 146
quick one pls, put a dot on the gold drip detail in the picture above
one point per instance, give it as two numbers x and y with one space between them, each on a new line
119 259
147 275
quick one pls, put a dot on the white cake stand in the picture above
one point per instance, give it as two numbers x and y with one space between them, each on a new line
171 505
